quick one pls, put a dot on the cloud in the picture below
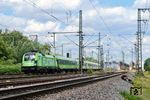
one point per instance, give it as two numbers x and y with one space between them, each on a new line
120 20
115 17
69 4
34 26
38 9
146 39
12 22
141 3
71 29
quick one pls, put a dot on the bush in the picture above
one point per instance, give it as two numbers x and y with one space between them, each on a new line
147 64
7 62
10 69
90 71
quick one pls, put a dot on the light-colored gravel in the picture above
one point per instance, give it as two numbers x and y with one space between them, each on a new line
103 90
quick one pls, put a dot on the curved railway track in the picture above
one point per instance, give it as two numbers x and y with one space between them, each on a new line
21 91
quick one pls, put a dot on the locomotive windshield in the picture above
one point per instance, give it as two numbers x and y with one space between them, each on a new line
29 56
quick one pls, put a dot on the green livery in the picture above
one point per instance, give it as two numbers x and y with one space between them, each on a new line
38 62
67 63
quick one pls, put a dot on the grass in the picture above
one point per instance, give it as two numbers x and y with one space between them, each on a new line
90 71
145 83
10 69
127 96
140 81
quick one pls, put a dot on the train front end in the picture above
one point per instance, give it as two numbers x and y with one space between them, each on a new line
29 62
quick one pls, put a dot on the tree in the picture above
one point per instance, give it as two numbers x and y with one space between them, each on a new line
45 48
6 52
21 48
13 45
147 64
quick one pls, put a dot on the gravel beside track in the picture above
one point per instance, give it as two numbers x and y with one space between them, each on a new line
27 91
103 90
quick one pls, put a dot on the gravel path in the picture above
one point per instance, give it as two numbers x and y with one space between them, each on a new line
102 90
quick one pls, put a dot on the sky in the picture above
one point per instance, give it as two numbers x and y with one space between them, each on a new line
116 20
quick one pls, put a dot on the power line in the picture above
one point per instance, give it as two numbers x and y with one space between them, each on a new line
100 17
68 13
90 43
41 9
89 39
86 44
109 31
126 39
71 40
46 12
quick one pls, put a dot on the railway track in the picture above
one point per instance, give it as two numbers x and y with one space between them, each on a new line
20 91
9 77
16 81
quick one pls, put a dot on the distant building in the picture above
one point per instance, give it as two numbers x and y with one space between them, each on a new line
116 66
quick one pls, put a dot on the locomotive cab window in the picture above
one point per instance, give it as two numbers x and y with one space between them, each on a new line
29 57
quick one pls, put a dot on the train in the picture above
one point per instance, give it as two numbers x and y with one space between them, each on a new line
37 62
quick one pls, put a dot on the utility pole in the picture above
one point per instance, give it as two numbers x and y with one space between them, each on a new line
136 57
99 51
70 53
132 54
139 44
62 50
132 58
54 38
139 36
80 42
123 62
123 57
36 38
107 57
92 54
54 43
84 53
102 57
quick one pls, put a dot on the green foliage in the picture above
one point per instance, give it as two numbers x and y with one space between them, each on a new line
5 50
10 69
13 45
90 71
108 69
127 96
147 64
139 81
45 48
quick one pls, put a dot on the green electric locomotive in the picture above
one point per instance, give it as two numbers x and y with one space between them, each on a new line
40 63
